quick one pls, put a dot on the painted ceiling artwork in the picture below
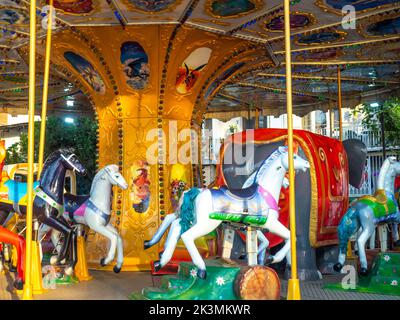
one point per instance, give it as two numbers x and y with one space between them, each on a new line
368 53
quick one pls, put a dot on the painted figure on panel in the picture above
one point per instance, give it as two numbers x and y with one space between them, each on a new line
86 70
140 186
135 65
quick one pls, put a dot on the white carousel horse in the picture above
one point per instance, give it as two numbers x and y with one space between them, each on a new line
369 211
192 219
95 212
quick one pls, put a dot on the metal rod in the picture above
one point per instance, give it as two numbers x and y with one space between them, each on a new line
333 79
333 63
340 104
45 89
293 285
27 293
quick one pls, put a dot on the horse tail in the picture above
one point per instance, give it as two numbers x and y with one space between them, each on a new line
348 225
187 209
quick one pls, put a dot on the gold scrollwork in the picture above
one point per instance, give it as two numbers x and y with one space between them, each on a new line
258 5
336 174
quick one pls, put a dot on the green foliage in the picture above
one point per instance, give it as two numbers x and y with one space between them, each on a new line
81 136
390 113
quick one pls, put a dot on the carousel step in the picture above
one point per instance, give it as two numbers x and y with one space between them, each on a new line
225 280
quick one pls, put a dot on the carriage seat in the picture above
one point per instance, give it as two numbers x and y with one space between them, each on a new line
72 202
17 190
246 193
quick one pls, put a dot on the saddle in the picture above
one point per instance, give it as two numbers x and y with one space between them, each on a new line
243 194
379 197
72 203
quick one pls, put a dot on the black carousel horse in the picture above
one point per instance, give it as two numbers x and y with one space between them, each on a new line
48 205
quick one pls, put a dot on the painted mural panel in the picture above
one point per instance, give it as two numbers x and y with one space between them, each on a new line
297 21
385 27
231 8
74 7
152 5
191 69
86 70
135 63
140 186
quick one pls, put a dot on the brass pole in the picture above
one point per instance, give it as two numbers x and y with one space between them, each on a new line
293 284
45 90
340 104
27 293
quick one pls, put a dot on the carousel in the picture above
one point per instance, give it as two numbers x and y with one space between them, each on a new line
150 73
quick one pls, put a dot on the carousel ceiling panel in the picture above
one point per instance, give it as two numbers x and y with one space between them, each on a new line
152 11
228 15
83 12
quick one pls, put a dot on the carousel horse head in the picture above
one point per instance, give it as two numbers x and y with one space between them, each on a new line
281 159
299 162
115 177
67 158
72 162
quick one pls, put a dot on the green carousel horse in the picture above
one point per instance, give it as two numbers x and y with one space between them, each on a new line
369 211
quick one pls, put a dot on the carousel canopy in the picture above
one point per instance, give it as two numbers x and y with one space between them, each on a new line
363 41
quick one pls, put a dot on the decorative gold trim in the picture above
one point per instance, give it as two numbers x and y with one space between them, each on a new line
363 25
311 17
322 4
257 3
221 23
171 8
341 38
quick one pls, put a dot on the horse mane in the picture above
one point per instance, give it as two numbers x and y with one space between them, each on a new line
96 178
267 163
101 173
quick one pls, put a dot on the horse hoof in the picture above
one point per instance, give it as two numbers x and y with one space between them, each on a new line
53 260
117 269
63 261
69 271
268 260
160 254
356 252
337 267
157 265
146 244
202 274
18 284
103 262
363 272
242 257
397 243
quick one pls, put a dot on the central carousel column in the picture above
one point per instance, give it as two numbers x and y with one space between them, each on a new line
144 82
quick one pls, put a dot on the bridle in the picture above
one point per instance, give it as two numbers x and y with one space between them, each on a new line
74 168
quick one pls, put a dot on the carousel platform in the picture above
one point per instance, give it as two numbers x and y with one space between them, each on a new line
109 286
